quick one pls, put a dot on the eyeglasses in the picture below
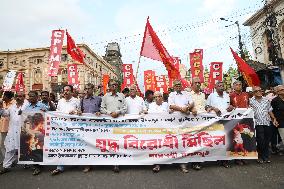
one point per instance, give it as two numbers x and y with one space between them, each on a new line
87 88
157 96
178 85
114 84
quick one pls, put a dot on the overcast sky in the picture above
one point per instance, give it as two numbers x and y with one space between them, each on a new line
182 26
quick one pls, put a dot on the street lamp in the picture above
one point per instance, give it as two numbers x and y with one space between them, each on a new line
239 35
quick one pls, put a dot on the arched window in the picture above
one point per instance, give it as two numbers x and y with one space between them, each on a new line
64 76
37 76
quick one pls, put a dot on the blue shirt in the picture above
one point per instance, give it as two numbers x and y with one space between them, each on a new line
91 104
37 107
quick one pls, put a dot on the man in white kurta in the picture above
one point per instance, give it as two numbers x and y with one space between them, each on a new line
12 141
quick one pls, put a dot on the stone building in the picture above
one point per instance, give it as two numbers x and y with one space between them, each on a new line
267 31
34 64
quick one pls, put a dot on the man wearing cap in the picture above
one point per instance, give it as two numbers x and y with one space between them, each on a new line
181 101
278 109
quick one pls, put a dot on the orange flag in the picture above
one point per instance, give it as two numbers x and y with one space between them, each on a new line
248 73
105 83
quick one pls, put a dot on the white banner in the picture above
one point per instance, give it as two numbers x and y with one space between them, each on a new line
147 139
9 80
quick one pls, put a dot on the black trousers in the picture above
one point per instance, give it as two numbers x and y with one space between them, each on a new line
263 137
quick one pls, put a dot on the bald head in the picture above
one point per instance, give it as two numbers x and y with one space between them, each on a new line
133 91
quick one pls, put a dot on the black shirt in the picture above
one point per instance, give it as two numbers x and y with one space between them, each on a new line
278 110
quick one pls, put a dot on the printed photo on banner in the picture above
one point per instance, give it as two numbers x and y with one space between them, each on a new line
32 138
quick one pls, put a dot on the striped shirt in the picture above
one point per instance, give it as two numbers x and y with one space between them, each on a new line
261 108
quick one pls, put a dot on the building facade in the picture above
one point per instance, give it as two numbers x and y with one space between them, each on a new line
34 64
267 32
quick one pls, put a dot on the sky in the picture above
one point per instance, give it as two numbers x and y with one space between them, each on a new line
181 25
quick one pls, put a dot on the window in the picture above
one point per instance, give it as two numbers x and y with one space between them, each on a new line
64 57
37 76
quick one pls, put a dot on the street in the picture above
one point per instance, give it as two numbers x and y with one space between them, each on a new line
249 176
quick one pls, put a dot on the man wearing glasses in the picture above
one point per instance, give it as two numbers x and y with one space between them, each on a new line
181 101
113 104
90 104
263 115
12 140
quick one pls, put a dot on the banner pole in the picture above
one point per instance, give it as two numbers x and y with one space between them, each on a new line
137 68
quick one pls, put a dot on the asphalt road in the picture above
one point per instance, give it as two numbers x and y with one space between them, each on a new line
248 176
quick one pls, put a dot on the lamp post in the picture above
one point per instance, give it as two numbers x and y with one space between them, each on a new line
239 36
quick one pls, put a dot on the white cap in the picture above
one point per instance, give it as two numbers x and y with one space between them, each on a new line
249 89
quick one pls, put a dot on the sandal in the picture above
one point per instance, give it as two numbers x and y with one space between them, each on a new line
36 171
87 169
56 172
260 161
156 169
183 168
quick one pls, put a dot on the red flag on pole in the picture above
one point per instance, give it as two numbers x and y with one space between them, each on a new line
153 48
20 86
248 73
54 60
73 76
215 74
74 51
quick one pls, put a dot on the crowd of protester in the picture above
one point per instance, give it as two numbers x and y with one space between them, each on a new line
268 107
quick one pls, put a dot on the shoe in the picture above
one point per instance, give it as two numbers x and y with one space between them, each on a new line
260 161
239 162
226 164
184 168
267 161
156 169
87 169
37 171
26 166
280 153
196 167
56 172
115 169
5 170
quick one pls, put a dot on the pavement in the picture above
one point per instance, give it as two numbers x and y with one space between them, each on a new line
251 176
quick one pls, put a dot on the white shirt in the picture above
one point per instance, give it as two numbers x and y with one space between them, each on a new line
199 101
155 108
220 102
12 141
181 100
135 105
67 106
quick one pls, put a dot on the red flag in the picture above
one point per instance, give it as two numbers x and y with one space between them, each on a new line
128 77
248 73
153 48
215 74
55 52
73 76
75 52
20 86
196 65
149 80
